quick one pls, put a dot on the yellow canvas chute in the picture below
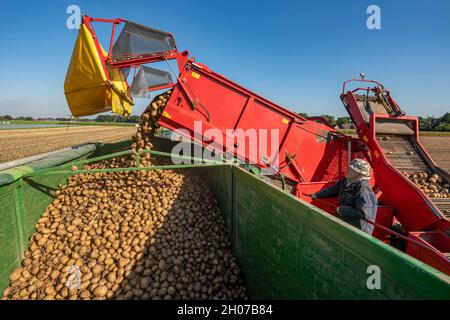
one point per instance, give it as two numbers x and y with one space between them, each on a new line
87 88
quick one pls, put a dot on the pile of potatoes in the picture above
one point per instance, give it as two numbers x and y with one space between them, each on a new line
143 137
433 185
155 234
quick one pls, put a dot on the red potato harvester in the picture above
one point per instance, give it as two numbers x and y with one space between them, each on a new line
310 154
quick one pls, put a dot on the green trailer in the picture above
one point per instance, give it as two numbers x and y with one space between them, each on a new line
287 249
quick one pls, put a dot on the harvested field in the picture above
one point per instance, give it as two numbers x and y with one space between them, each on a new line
16 144
439 149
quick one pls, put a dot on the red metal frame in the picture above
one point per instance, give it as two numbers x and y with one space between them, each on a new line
414 209
168 55
234 107
419 246
360 80
310 153
424 248
107 60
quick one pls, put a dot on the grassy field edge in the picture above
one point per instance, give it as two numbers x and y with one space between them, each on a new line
77 123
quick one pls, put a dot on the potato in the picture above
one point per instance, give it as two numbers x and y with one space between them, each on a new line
433 185
16 274
111 277
155 234
100 291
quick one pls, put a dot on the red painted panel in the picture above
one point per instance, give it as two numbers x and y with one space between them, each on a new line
439 242
319 156
264 121
223 103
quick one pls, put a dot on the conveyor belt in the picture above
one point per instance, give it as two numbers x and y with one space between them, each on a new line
443 204
403 155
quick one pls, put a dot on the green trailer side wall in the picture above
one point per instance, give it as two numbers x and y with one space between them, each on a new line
21 205
290 249
10 239
286 248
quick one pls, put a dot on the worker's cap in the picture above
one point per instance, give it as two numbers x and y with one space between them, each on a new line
361 166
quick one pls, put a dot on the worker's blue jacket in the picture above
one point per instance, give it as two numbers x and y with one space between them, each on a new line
356 201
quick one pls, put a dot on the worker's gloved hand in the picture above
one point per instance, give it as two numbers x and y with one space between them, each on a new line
313 196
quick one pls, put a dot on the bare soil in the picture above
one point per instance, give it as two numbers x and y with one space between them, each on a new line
439 149
16 144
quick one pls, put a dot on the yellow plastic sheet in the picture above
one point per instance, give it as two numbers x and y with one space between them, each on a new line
87 88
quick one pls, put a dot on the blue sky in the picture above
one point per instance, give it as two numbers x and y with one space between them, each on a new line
293 52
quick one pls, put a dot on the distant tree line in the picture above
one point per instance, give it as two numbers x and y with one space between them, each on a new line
8 117
100 118
425 123
435 124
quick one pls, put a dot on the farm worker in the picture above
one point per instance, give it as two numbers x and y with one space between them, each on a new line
356 198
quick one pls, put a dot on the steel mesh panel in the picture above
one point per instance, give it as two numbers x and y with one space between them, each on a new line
148 78
136 41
